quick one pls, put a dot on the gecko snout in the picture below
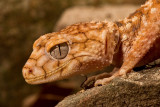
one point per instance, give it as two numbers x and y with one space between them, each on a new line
26 71
30 73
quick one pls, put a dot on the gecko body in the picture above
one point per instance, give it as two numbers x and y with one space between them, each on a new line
86 47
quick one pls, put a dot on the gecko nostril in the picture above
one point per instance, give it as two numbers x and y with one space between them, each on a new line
30 71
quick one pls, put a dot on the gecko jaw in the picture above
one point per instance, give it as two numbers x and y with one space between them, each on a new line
50 76
43 78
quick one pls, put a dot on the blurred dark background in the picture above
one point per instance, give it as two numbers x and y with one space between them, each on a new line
21 23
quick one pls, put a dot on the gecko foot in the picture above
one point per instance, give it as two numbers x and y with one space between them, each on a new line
89 83
103 81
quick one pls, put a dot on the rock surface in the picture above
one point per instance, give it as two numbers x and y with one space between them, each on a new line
139 89
90 13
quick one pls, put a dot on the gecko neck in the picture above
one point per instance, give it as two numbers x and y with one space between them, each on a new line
128 30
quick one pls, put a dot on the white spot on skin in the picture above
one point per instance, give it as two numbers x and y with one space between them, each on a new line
121 28
136 54
93 21
93 46
43 37
124 37
59 36
128 26
146 8
100 57
144 20
153 10
125 20
105 21
149 3
99 23
104 35
134 18
124 49
110 26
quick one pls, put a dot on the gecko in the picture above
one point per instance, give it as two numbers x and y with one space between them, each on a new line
87 47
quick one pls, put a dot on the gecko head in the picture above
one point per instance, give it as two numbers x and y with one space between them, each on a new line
60 55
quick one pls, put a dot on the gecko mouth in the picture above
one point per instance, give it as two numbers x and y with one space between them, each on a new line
50 73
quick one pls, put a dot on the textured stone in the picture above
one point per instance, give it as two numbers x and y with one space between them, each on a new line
90 13
139 89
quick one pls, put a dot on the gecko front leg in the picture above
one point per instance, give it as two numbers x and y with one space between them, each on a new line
148 34
91 80
138 50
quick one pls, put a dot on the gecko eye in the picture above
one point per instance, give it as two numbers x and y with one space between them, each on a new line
59 51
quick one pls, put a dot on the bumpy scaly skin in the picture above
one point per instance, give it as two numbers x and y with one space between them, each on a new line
87 51
131 42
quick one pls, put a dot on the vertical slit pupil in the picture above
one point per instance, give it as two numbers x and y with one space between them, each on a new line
59 51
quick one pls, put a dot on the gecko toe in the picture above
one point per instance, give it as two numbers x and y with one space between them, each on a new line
98 83
104 81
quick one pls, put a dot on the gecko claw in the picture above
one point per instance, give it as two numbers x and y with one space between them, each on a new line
98 83
125 75
103 81
90 82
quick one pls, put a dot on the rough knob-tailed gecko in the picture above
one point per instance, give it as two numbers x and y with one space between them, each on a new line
87 47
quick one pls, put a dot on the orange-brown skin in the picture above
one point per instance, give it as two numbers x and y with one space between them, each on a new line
132 42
